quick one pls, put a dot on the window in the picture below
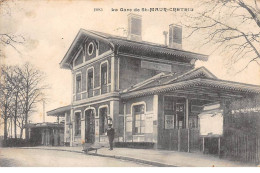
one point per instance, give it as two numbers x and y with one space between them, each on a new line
90 83
104 74
103 120
90 48
168 104
180 113
77 124
139 119
78 83
169 112
179 107
90 80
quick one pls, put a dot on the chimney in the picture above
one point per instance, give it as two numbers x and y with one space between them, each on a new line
134 27
175 36
165 33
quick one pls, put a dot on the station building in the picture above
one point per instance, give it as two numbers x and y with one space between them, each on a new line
151 93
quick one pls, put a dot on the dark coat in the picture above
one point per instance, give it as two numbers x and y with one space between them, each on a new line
111 133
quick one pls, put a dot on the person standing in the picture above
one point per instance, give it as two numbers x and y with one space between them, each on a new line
111 135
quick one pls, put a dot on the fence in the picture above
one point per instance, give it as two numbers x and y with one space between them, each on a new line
241 140
241 146
180 140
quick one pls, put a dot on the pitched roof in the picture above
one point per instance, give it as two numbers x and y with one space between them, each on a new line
122 45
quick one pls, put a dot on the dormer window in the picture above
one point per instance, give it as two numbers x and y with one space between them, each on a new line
78 83
90 49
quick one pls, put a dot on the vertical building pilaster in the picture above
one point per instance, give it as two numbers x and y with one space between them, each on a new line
71 128
82 127
155 118
113 74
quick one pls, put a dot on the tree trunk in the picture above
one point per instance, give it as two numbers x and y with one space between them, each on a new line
5 128
26 129
26 112
15 130
21 133
5 123
15 115
11 128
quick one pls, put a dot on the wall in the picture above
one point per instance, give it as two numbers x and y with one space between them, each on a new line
131 72
84 59
84 70
112 111
150 134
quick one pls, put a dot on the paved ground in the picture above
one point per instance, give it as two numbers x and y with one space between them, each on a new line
53 158
160 157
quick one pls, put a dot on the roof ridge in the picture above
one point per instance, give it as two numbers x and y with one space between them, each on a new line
111 36
145 82
190 72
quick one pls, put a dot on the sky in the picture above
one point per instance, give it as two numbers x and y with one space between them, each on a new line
49 28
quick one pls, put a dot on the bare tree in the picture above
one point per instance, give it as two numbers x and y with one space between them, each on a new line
32 92
8 38
6 95
18 89
230 26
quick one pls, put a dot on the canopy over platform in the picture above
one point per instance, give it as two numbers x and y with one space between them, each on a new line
196 83
44 125
59 111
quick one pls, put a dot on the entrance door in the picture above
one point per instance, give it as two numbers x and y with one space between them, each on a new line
89 126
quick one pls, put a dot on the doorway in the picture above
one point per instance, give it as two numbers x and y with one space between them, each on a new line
89 126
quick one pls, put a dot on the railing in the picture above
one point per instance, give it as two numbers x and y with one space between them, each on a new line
105 89
92 92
